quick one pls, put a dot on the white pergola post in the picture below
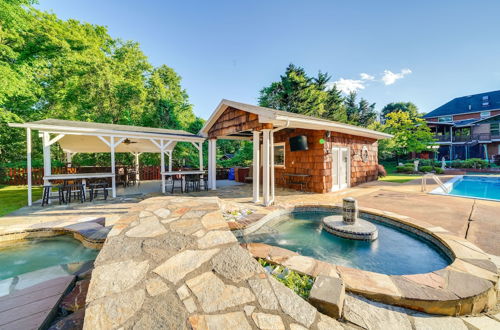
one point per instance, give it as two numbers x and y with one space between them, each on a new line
265 166
200 155
69 156
47 166
170 161
212 151
137 169
256 166
113 178
162 168
271 164
28 165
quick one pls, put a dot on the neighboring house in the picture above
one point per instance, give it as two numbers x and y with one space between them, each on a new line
467 127
296 151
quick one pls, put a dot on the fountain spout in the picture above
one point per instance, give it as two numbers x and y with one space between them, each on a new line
348 225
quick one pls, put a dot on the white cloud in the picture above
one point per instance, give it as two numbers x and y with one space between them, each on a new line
347 85
390 77
366 76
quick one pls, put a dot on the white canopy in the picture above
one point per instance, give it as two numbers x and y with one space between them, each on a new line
87 137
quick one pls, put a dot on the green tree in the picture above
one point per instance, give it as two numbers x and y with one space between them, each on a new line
410 134
409 107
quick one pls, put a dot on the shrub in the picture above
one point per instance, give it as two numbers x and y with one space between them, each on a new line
381 171
457 164
438 170
476 163
426 169
300 284
404 169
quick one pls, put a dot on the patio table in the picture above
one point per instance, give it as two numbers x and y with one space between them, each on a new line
78 176
181 173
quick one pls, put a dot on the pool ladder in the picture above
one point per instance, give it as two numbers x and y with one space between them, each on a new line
436 179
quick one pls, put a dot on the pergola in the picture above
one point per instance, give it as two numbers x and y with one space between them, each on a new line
87 137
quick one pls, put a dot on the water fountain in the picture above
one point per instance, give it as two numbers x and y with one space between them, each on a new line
348 225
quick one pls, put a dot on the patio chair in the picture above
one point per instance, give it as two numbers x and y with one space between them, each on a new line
47 191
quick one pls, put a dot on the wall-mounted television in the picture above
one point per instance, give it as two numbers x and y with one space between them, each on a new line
298 143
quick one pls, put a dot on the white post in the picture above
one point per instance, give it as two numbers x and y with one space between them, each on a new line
170 160
200 155
28 164
69 156
137 175
162 167
47 167
113 178
265 166
271 164
256 166
212 151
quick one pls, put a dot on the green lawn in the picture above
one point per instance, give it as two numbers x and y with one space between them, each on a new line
15 197
393 176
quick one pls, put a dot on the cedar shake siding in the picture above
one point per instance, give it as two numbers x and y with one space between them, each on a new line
317 161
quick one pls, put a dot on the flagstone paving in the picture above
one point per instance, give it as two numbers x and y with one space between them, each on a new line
194 274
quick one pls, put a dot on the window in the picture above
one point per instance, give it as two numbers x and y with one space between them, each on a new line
495 129
485 114
444 119
486 101
279 154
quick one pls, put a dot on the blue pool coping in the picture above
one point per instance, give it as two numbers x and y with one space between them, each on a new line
449 185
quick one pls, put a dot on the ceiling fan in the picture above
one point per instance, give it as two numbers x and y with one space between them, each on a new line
127 141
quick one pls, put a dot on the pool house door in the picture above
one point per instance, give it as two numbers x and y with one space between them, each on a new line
340 168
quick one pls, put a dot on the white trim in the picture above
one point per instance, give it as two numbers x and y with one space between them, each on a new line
335 167
280 144
267 115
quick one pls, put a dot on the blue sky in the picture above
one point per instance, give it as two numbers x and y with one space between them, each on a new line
427 52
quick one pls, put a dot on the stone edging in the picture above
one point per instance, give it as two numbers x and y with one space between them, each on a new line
466 286
91 233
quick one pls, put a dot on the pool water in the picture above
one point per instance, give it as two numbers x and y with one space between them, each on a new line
477 186
395 252
30 255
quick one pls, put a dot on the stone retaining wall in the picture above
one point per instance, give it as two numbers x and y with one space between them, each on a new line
172 262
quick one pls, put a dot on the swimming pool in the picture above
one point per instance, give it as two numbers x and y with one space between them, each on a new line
395 252
473 186
35 254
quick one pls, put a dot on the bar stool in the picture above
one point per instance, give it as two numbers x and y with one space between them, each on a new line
95 187
192 183
177 178
77 190
46 194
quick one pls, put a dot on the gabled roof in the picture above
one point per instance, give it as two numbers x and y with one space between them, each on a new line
467 104
293 120
80 136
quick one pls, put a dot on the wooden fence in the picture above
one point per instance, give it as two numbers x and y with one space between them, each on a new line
19 176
